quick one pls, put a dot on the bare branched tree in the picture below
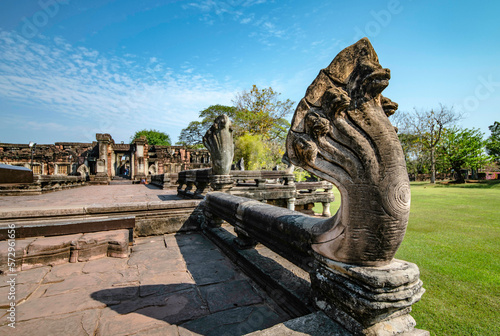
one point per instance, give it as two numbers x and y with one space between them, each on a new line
428 126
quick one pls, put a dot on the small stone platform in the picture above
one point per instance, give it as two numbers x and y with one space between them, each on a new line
43 251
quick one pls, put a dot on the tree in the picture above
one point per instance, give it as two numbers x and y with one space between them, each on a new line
261 114
192 136
493 142
461 148
428 126
154 137
259 111
252 149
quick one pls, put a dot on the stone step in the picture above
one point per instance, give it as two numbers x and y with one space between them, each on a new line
120 182
315 324
43 251
59 227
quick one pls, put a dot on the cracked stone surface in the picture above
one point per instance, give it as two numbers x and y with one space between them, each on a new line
178 284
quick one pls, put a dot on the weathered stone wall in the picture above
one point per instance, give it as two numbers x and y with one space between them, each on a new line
61 158
66 158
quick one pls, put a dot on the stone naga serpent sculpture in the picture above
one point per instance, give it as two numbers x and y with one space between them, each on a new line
341 133
219 141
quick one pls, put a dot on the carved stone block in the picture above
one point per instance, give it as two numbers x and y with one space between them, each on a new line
368 300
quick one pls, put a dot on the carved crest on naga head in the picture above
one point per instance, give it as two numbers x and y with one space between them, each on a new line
341 133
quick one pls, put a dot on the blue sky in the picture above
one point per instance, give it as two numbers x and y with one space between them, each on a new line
70 69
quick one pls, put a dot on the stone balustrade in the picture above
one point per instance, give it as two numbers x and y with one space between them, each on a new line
366 300
164 181
42 184
268 186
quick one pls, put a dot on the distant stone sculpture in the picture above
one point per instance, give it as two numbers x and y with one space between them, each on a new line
341 133
83 171
240 165
219 141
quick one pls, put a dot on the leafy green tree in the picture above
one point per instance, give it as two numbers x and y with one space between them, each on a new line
463 148
416 156
493 142
259 111
252 149
192 136
154 137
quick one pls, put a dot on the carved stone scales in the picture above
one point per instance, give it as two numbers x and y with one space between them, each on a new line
341 133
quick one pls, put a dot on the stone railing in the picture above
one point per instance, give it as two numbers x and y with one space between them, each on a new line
365 300
193 183
164 181
268 186
42 184
309 193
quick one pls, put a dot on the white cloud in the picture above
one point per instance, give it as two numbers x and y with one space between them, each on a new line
246 20
236 10
107 93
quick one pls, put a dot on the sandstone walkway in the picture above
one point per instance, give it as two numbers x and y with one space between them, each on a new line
178 284
102 194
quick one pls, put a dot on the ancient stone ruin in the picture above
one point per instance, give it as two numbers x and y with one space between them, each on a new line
276 187
334 276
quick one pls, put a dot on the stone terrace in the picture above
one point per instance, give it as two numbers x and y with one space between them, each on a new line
175 284
106 194
171 285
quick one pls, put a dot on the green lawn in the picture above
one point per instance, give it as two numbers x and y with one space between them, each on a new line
454 237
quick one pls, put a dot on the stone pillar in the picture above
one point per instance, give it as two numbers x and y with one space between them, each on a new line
140 159
291 204
190 183
368 300
103 141
326 209
114 164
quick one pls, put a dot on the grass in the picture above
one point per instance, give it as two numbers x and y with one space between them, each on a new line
454 237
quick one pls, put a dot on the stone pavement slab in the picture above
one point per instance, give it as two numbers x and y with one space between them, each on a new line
315 324
236 321
170 285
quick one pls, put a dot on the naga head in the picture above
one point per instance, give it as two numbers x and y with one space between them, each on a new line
341 133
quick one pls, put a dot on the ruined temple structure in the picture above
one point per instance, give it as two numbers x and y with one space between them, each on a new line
104 159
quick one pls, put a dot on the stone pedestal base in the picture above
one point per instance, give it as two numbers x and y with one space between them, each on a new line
101 177
368 300
221 182
244 241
